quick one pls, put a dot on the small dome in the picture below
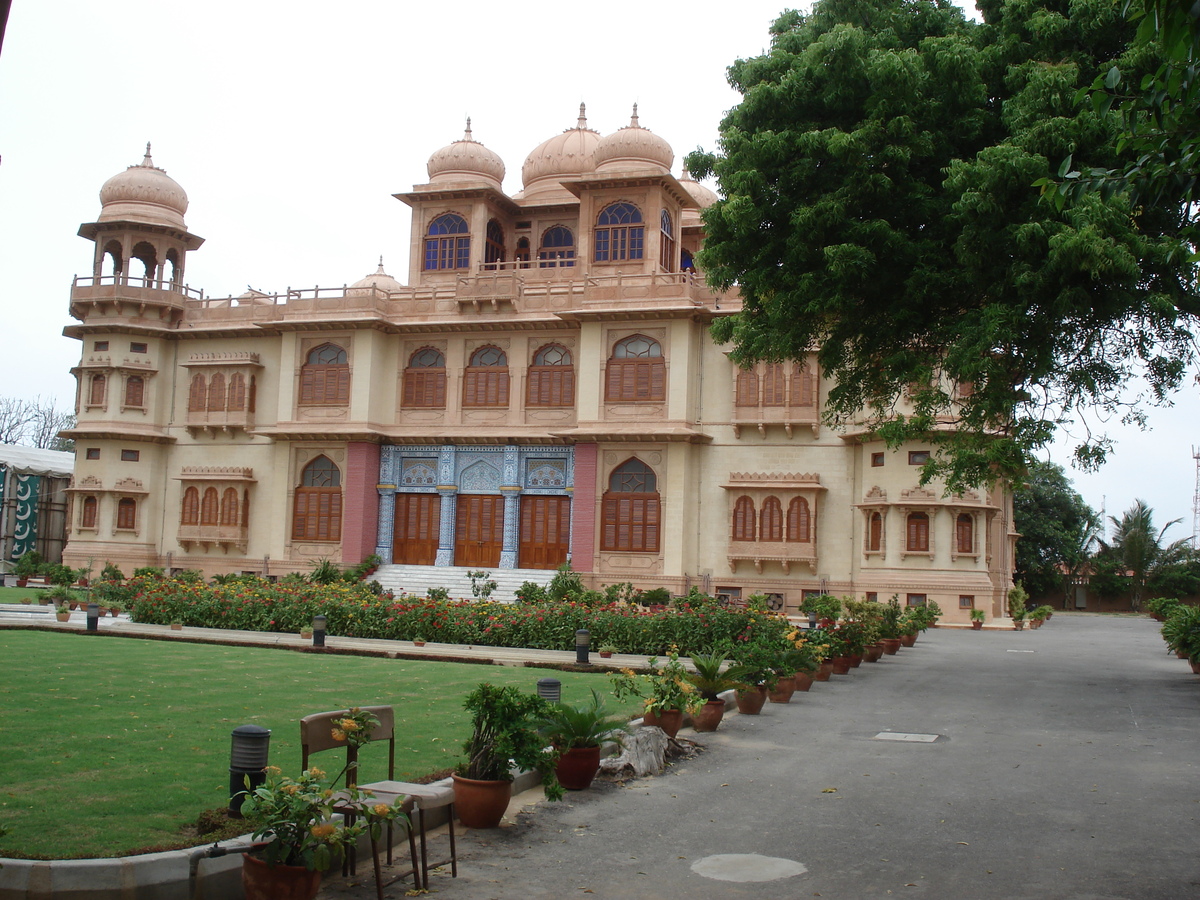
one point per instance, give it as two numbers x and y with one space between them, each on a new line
633 147
562 157
143 193
466 160
379 279
703 196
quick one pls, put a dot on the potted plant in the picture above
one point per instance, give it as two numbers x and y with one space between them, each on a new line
709 680
757 664
826 608
503 736
666 689
176 625
977 617
1017 599
576 731
62 612
418 640
607 650
27 567
889 625
299 833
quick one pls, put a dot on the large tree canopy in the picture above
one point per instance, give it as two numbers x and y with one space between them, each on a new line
1058 530
878 206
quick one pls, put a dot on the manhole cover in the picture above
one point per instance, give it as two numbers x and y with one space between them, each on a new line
746 867
906 737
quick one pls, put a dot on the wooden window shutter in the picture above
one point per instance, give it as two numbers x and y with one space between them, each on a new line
246 506
236 395
135 391
774 385
747 388
771 523
965 527
216 393
229 507
803 386
209 507
875 539
799 521
127 513
90 506
190 512
918 532
198 394
743 519
99 389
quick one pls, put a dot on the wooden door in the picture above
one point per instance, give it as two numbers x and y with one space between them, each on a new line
545 532
418 517
479 530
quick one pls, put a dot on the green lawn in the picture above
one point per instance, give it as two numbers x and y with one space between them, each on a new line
20 595
111 744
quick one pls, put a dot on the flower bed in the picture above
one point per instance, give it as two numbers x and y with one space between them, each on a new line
696 625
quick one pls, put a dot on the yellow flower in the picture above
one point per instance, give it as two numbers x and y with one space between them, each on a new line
328 792
273 770
349 725
290 788
381 809
316 773
338 734
323 831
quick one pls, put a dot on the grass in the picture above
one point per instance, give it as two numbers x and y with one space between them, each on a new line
19 595
112 745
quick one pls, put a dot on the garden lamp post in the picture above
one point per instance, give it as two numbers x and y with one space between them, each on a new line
93 617
247 758
583 639
319 631
549 689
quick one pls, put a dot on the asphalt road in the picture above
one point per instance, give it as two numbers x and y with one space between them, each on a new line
1066 765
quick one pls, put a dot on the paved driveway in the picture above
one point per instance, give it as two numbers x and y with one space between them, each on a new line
1066 766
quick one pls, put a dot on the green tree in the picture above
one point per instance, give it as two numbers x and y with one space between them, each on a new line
878 207
1058 530
1139 549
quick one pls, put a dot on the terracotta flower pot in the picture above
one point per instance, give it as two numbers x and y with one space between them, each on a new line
606 654
481 804
823 671
751 702
907 640
669 720
891 646
803 680
177 626
855 660
873 652
263 882
976 624
841 665
709 716
577 767
1195 666
784 688
63 616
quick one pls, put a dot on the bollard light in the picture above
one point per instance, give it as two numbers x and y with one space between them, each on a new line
93 617
812 620
247 758
583 640
549 689
319 631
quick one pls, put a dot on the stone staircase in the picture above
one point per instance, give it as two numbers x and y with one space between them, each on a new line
418 579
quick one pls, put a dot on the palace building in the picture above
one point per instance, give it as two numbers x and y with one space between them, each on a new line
544 388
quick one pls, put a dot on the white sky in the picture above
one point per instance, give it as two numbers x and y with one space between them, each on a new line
290 124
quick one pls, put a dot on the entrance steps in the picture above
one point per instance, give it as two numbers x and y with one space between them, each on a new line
418 579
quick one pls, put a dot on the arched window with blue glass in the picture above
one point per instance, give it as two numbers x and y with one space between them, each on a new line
557 249
620 234
448 243
666 242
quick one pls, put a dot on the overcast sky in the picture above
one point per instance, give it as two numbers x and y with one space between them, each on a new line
291 124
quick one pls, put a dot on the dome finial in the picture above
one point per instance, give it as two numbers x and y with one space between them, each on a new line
380 271
582 123
467 133
146 160
633 120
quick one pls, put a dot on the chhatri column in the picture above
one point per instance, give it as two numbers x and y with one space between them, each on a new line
510 489
385 539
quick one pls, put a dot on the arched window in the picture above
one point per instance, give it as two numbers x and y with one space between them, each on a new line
135 391
666 242
686 262
90 507
774 385
630 509
209 507
145 253
127 514
113 251
448 245
770 522
747 388
918 533
875 533
172 266
189 513
236 395
216 393
522 254
229 507
324 377
964 528
485 381
803 386
425 380
744 522
799 521
619 233
97 396
493 245
198 394
317 515
551 379
636 370
558 248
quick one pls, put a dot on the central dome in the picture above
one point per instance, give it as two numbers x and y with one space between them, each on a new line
561 158
379 280
143 193
466 160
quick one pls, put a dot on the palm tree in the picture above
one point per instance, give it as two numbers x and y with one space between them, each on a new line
1077 552
1139 548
